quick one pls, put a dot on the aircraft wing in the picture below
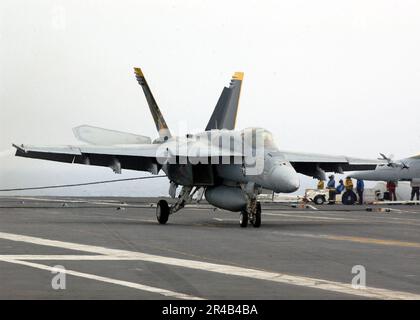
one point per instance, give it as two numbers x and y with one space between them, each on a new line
132 157
144 157
307 163
106 137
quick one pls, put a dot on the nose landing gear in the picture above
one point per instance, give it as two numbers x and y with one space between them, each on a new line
243 219
256 216
251 214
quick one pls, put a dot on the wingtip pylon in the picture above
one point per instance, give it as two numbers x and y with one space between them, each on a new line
20 148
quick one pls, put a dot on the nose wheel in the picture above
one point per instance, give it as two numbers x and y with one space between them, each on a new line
256 216
243 219
252 215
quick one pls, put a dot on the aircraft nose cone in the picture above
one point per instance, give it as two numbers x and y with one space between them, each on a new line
284 179
366 175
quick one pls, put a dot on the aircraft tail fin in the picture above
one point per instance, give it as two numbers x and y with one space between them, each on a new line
160 122
226 110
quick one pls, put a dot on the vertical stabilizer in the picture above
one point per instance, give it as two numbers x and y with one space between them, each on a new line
226 110
160 122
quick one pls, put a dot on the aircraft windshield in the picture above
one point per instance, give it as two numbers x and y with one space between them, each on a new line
263 135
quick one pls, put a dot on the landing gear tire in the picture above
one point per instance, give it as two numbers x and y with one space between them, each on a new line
162 211
349 198
256 221
243 219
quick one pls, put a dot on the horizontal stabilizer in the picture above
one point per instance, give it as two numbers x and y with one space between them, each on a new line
106 137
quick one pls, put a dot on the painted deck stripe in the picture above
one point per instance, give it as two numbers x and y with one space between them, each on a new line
107 202
112 203
65 257
370 218
138 286
339 287
385 242
305 217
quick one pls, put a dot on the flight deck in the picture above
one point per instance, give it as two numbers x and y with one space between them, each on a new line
113 248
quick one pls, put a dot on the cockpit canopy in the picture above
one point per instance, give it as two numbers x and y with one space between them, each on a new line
258 137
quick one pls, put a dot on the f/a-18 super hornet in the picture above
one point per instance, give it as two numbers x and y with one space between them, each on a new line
230 167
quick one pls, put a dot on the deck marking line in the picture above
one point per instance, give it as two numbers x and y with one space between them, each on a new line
385 242
344 288
138 286
309 217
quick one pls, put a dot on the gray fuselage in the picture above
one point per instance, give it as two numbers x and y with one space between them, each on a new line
261 162
402 170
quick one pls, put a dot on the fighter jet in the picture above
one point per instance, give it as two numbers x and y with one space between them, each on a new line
407 169
228 166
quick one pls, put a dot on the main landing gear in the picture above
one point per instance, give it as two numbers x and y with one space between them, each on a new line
250 214
163 209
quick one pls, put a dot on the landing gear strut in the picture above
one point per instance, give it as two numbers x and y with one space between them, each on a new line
163 210
256 216
251 214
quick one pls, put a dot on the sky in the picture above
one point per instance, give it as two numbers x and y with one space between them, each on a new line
334 77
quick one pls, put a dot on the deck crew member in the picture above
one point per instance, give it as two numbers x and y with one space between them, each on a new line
391 187
360 188
340 188
331 188
349 184
415 189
